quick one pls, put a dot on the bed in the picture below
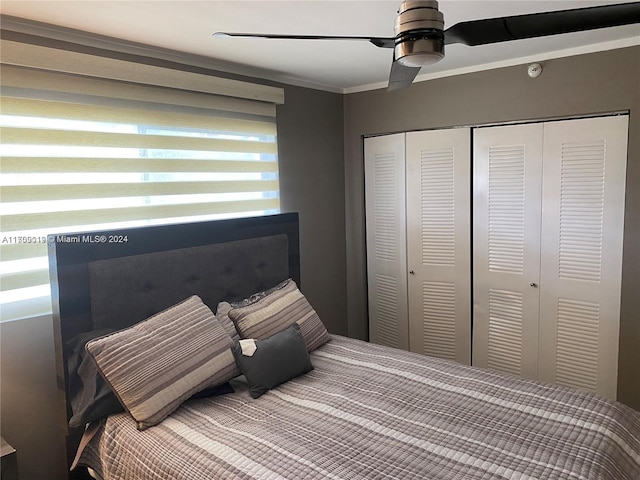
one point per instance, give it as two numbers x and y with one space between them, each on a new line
297 402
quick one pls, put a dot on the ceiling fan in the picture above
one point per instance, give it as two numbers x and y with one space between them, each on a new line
420 36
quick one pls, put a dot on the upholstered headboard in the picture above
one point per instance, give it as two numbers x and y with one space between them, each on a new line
114 279
127 290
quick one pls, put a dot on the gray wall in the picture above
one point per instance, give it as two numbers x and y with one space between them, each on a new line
310 144
310 154
582 85
32 421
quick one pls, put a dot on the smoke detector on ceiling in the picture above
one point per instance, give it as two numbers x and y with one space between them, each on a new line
534 70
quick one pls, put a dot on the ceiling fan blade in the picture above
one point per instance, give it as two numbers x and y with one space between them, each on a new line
377 41
493 30
401 76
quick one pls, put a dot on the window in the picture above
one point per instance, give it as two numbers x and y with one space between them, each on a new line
78 157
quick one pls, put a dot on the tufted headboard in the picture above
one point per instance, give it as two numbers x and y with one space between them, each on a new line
114 279
127 290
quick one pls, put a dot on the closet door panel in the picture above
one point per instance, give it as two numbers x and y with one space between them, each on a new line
582 227
506 255
386 240
438 242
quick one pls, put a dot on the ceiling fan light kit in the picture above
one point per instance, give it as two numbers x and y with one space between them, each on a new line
420 36
419 33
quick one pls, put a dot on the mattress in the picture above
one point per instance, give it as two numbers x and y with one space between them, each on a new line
373 412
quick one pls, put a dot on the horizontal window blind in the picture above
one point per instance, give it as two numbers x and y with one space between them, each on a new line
86 154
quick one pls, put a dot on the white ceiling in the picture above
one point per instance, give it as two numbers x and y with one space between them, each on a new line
340 66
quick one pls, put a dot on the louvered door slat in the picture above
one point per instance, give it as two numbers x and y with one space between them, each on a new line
437 206
387 303
581 173
438 319
577 344
384 205
506 208
505 331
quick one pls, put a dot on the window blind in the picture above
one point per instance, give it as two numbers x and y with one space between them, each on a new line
84 153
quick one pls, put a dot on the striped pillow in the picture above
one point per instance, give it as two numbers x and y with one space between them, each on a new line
158 363
278 310
222 314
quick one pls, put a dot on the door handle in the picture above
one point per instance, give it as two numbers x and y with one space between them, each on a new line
411 272
534 285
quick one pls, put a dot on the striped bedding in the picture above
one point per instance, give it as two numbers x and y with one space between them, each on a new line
371 412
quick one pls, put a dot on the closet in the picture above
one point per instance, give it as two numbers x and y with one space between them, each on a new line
417 195
501 246
548 209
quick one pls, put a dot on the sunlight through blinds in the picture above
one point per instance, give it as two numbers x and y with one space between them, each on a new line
85 154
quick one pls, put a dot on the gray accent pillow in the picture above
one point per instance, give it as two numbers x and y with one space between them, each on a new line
91 396
160 362
276 360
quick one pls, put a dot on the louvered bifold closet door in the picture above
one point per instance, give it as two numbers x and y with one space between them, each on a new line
506 258
386 239
438 243
582 227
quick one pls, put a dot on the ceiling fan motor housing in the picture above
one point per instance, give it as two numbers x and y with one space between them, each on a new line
419 33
